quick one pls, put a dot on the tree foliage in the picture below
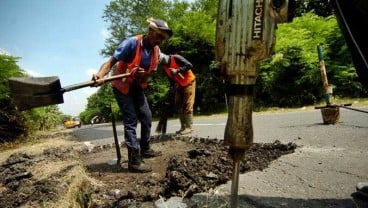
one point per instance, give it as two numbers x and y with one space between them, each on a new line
14 123
322 8
124 21
99 104
292 77
11 121
8 68
43 118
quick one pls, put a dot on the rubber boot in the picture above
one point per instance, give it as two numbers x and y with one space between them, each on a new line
135 162
182 124
362 188
188 122
147 151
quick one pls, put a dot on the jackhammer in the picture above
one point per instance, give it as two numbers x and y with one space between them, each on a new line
245 35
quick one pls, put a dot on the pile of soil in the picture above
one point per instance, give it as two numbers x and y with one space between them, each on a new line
20 185
187 166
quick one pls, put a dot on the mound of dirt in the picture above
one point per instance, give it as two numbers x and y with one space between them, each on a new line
187 166
22 184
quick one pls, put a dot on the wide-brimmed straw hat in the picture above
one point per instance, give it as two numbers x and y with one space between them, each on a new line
160 26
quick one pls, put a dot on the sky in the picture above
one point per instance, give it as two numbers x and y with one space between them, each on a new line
56 38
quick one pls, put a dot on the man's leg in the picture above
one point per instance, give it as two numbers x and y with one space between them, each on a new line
145 117
188 103
180 108
130 121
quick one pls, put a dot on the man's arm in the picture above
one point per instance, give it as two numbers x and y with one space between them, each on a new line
104 69
184 64
164 59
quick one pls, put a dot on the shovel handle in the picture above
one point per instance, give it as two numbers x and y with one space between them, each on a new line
91 83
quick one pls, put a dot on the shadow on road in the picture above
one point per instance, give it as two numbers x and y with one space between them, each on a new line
250 201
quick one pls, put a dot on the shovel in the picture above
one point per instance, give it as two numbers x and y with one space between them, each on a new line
31 92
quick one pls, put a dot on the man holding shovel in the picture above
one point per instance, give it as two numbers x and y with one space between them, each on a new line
140 56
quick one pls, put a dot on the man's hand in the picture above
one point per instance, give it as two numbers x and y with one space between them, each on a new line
97 79
174 71
140 73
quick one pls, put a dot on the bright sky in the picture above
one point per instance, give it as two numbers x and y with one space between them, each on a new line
56 38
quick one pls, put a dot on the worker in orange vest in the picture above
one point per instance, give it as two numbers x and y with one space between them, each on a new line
139 55
180 72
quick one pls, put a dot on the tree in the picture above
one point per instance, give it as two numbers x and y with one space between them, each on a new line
292 77
43 118
321 8
99 103
8 68
11 121
14 123
124 21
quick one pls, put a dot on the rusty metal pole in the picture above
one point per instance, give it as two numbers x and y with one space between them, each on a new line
244 37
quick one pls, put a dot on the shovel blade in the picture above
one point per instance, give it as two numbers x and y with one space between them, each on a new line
31 92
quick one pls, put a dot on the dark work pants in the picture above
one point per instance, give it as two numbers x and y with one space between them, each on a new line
134 107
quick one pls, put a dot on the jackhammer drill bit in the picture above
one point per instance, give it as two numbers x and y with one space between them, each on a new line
238 131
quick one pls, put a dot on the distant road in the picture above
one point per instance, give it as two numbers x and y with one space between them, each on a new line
284 126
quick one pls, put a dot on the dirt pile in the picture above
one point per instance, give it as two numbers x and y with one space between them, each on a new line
187 166
21 184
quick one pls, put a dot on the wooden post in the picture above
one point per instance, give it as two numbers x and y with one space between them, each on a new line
322 68
330 115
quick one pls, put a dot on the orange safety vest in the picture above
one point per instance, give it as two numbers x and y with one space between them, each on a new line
123 85
182 78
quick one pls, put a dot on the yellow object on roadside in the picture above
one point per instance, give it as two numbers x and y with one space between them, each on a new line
72 123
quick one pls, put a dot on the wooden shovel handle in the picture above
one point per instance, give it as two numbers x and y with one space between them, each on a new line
91 83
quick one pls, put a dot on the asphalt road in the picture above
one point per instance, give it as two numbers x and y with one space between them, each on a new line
323 172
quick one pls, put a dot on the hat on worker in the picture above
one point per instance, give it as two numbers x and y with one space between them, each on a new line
160 26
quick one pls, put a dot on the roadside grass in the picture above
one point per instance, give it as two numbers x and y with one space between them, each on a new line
35 138
79 190
34 147
66 175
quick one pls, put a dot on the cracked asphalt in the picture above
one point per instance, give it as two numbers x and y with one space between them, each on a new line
323 171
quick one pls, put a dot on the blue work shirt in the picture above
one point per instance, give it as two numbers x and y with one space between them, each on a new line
127 49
